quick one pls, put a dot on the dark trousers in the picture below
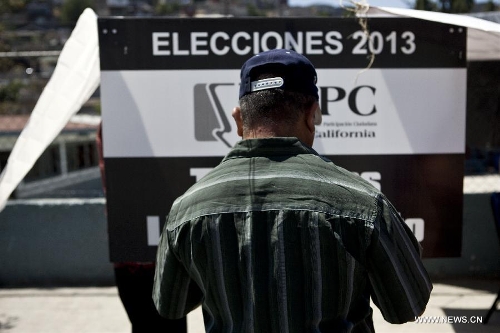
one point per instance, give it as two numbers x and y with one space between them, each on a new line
135 285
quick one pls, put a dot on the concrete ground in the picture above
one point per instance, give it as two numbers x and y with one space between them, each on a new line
99 310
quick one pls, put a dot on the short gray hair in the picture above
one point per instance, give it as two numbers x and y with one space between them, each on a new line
274 106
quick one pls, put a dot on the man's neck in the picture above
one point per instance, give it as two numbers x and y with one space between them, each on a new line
262 132
265 132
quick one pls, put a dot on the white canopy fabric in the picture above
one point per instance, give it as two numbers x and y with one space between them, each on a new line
74 80
483 37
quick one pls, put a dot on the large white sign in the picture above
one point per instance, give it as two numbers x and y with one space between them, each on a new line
377 112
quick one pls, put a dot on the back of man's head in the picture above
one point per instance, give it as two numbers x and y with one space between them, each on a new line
277 86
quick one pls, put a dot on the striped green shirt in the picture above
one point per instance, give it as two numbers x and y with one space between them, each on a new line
279 239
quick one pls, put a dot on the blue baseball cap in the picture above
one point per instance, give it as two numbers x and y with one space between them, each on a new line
296 72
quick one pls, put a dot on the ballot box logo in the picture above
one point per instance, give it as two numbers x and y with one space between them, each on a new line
213 102
211 120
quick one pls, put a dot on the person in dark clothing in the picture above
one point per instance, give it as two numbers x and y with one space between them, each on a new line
279 239
134 281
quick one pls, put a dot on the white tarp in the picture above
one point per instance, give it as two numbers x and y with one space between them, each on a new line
483 37
74 80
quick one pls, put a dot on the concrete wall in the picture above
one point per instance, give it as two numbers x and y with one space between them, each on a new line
64 243
54 243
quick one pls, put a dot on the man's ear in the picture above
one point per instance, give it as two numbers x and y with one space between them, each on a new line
239 122
311 117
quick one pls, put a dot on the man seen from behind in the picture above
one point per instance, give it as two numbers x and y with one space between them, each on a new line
279 239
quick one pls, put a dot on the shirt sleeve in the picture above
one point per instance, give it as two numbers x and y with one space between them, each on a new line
400 284
175 294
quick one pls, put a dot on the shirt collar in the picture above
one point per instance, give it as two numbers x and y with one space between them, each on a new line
276 146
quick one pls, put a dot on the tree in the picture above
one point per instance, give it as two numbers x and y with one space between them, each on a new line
5 63
491 6
445 6
428 5
456 6
12 6
252 10
72 9
10 92
164 9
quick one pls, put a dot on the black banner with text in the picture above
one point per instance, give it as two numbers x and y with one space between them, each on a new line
168 87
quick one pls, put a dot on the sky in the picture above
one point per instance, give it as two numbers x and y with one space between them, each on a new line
379 3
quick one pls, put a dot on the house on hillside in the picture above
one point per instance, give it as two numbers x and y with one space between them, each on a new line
67 168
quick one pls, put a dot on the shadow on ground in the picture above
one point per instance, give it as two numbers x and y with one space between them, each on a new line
468 320
7 322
